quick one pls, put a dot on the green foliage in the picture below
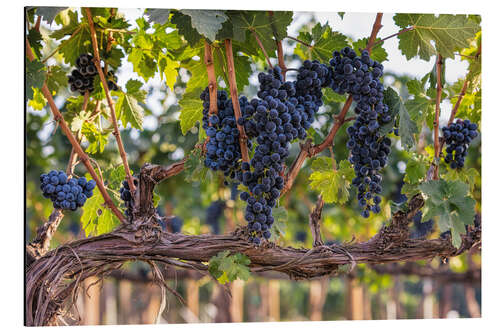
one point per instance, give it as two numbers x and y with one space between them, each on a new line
323 41
206 22
332 184
158 15
97 139
191 111
35 76
194 168
378 53
48 14
128 109
443 34
448 200
407 127
35 39
227 268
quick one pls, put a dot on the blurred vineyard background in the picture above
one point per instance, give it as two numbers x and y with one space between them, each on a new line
435 289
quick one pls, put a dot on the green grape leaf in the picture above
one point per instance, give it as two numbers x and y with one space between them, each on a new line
449 201
35 76
38 101
262 24
206 22
278 228
128 109
191 110
341 14
443 34
143 63
227 268
183 24
96 219
35 39
333 185
378 53
468 176
168 69
323 41
97 139
48 14
407 127
194 168
415 171
409 190
158 15
56 79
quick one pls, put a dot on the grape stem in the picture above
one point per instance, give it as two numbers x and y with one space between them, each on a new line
116 131
437 145
308 151
67 131
233 88
279 47
212 81
261 47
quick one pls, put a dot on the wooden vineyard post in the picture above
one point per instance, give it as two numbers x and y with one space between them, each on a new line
151 311
354 300
124 302
318 290
110 303
91 303
274 300
237 289
367 302
192 290
428 302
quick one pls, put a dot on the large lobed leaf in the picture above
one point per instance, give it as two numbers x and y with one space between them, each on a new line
443 34
407 127
323 41
449 201
332 184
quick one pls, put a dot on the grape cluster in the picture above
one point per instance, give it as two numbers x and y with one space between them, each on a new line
214 212
112 81
360 76
82 78
457 137
127 196
421 229
312 76
67 194
223 147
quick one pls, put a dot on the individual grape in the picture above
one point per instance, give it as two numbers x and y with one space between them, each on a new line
65 193
457 137
360 77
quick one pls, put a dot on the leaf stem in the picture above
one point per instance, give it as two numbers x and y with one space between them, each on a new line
300 41
262 48
116 131
233 88
67 131
394 35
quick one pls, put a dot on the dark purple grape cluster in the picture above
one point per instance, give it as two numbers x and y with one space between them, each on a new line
126 195
457 137
360 76
421 229
82 78
214 212
67 194
223 147
312 77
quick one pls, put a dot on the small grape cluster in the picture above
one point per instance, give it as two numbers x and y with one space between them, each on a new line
214 212
67 194
82 78
127 196
360 76
457 137
223 147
